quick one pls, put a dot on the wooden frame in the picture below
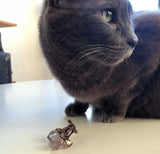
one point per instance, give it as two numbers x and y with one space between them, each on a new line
6 24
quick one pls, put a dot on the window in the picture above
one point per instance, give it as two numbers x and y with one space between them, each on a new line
144 4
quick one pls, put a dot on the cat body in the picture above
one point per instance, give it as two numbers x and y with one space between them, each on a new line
91 49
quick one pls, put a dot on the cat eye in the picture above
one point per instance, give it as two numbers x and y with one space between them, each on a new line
108 16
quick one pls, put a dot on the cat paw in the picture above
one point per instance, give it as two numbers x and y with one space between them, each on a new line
76 109
105 117
110 119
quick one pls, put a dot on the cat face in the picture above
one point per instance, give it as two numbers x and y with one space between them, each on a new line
94 30
78 36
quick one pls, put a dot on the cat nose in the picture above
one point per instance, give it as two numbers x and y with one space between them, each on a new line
132 42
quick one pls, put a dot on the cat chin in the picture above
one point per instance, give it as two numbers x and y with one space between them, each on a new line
128 54
84 94
83 97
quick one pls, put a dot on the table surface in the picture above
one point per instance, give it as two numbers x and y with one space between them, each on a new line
30 110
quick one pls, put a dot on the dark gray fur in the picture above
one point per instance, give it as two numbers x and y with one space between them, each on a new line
95 62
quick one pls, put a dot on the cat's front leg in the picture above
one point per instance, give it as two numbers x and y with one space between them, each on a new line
76 109
110 112
108 115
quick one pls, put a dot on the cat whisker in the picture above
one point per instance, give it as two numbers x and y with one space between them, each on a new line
78 64
101 61
90 51
76 58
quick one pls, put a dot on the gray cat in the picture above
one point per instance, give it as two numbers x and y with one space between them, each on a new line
104 55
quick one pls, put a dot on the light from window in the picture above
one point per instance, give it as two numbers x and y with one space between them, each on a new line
144 4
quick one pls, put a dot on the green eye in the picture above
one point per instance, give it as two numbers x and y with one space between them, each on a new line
107 15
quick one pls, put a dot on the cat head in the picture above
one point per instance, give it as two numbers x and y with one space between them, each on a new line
77 35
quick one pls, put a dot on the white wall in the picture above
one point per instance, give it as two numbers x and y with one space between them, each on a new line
22 41
139 5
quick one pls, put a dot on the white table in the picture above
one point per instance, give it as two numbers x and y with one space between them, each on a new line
30 110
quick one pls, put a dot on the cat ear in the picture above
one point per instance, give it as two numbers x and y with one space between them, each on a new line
52 2
130 9
68 3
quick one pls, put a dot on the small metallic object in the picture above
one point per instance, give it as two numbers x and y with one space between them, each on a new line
60 136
